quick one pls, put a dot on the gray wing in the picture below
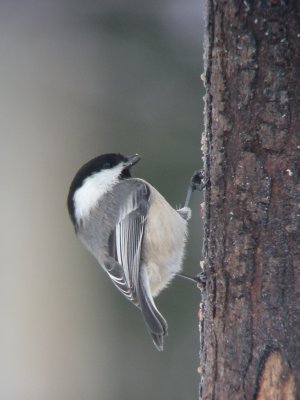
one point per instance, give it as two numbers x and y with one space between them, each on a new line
114 235
125 242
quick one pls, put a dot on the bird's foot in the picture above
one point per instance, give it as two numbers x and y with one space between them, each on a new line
197 180
199 279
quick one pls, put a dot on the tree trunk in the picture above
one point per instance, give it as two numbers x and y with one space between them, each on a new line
250 316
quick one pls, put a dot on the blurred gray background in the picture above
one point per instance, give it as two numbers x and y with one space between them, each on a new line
80 78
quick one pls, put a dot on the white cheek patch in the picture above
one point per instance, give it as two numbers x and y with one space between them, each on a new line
93 188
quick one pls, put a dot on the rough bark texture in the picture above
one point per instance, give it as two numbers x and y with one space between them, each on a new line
250 317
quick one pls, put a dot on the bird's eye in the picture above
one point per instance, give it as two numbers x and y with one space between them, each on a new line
106 165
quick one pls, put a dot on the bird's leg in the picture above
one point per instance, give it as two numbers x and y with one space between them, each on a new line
200 279
196 183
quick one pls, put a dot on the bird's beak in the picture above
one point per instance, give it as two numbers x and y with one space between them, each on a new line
132 160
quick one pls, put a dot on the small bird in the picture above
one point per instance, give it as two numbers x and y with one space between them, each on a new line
134 233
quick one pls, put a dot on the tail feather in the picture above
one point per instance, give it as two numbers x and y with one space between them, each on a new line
155 322
158 341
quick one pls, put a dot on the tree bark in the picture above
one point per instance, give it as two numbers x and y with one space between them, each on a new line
250 316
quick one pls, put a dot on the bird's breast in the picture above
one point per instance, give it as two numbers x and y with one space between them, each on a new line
164 242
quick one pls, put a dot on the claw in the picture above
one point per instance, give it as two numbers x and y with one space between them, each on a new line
196 183
197 180
200 279
197 177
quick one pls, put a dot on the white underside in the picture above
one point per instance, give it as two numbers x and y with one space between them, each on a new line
164 242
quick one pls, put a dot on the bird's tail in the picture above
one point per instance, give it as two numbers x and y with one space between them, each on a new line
155 322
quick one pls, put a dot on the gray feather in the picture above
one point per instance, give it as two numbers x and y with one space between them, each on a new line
114 235
155 322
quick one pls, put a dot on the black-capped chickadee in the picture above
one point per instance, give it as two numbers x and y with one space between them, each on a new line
133 232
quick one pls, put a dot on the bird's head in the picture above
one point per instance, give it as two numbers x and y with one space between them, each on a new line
96 178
